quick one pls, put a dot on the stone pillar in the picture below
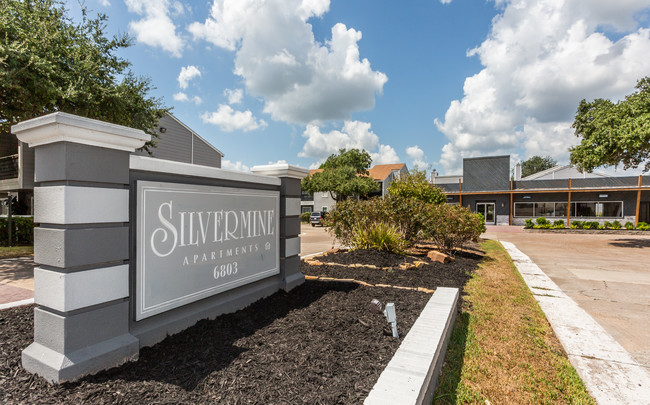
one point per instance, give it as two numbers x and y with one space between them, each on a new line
290 177
81 248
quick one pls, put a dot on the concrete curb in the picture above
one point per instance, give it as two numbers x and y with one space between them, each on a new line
17 303
610 374
411 377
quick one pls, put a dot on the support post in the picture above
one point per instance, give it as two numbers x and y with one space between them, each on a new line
512 207
290 177
460 193
81 249
638 202
568 208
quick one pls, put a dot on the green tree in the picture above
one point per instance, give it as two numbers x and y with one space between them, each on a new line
536 164
49 63
415 185
343 175
614 133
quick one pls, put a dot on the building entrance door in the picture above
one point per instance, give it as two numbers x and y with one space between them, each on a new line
487 210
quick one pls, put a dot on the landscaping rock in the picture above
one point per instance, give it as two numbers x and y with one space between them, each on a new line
439 257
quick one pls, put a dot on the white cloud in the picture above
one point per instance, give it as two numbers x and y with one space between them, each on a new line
353 135
417 155
237 166
445 1
187 73
300 79
231 120
279 162
105 3
234 96
182 97
540 59
156 28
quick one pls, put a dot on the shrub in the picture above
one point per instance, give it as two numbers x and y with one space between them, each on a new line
542 221
616 225
451 226
22 231
629 225
590 225
380 236
304 217
529 224
607 225
558 224
348 215
415 185
576 224
642 226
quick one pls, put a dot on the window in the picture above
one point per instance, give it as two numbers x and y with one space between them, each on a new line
611 209
544 209
524 210
560 209
584 209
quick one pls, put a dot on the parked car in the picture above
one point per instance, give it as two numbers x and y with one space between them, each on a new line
316 218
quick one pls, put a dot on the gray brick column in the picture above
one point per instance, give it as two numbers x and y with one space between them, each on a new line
290 177
81 249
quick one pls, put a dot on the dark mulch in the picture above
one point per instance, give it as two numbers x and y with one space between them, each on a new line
317 344
431 275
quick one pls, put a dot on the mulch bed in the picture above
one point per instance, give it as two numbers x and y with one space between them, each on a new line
318 344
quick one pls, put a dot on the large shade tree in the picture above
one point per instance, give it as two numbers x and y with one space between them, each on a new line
343 175
614 133
49 63
536 164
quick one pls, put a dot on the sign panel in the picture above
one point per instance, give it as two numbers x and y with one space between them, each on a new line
196 241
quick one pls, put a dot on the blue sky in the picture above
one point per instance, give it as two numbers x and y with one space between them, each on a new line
423 82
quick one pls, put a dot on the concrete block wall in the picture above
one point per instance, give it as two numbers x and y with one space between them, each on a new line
81 278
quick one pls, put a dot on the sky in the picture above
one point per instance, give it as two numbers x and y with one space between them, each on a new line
421 82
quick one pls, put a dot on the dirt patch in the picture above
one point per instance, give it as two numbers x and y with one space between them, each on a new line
317 344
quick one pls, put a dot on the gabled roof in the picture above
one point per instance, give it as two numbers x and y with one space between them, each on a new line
380 172
377 172
195 134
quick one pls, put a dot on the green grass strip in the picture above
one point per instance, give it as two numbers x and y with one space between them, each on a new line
502 349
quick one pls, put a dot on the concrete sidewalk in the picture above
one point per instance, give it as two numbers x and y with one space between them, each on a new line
16 279
593 289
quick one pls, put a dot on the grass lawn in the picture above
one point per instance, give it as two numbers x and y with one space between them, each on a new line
502 349
16 251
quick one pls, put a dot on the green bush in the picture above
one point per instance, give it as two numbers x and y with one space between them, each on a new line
452 226
304 217
642 226
22 231
542 221
629 225
349 215
607 225
576 224
558 224
590 225
616 225
529 224
379 236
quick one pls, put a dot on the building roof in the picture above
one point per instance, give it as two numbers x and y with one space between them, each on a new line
562 172
377 172
380 172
